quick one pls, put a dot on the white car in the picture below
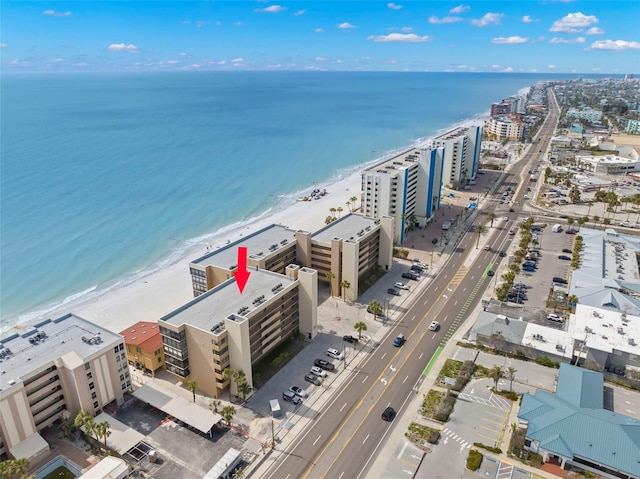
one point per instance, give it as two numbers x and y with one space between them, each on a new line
315 370
298 391
400 285
554 317
434 326
335 354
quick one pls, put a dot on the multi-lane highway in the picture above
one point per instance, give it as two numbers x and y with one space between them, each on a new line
344 438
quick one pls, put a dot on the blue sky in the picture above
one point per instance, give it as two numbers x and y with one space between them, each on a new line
509 36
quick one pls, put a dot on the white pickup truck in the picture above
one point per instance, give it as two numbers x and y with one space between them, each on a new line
446 225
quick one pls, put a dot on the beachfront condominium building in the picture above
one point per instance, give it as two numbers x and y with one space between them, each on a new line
347 247
406 188
461 155
224 328
505 127
51 370
588 114
144 346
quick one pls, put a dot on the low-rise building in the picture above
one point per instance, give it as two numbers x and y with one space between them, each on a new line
608 164
53 369
224 328
144 346
588 114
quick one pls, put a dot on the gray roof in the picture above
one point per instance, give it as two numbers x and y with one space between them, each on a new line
211 308
258 242
489 324
68 334
569 426
347 227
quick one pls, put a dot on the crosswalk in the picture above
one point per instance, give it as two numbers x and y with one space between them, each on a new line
497 402
450 435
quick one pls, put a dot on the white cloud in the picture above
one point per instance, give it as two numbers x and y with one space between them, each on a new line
594 31
460 9
201 23
297 14
345 26
573 22
596 69
566 41
614 45
495 66
528 19
434 19
80 64
318 30
390 62
393 6
57 14
508 69
122 47
320 59
57 60
509 40
400 37
184 54
551 66
173 62
195 65
488 19
406 29
4 45
237 61
237 24
270 9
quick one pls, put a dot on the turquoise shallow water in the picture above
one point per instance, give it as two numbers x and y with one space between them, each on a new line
105 176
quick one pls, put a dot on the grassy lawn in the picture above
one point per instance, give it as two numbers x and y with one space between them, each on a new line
431 402
451 369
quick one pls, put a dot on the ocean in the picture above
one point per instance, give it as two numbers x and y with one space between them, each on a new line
107 177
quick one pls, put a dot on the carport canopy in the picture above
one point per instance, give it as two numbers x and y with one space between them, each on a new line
178 407
122 437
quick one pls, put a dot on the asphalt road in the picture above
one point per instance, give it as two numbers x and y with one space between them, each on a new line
344 439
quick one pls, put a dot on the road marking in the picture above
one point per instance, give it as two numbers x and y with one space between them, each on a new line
405 380
404 448
365 378
421 354
365 439
472 277
464 290
342 408
414 317
383 381
383 356
339 477
392 368
455 304
316 441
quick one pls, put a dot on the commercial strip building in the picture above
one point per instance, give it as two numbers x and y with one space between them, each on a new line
144 346
54 369
505 127
608 164
347 247
571 427
407 188
223 328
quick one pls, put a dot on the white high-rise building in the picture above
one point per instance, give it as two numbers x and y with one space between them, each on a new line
461 155
406 187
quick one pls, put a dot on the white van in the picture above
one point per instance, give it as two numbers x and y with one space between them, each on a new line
557 228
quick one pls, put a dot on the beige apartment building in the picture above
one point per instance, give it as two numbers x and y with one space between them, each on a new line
54 369
223 328
348 248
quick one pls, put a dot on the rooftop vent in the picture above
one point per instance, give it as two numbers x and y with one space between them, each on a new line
284 241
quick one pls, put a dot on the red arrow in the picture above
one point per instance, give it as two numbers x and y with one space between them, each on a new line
241 274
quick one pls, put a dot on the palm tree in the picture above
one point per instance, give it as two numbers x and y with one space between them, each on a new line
330 276
479 229
360 326
496 373
348 203
103 431
244 389
332 210
227 414
227 375
339 210
353 200
376 308
215 405
193 387
511 374
345 285
491 216
87 422
570 220
590 204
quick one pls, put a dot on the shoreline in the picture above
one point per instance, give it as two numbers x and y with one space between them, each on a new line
149 294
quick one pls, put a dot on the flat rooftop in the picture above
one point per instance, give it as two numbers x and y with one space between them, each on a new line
45 341
390 166
261 241
347 227
607 159
606 330
209 309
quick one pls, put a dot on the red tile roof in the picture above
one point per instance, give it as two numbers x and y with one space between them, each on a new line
145 335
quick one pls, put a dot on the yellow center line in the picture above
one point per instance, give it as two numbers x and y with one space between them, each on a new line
374 384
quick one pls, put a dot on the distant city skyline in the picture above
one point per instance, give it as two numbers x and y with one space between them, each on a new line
547 36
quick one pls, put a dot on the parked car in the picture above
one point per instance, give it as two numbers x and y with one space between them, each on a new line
399 341
335 354
313 379
564 258
388 414
554 317
349 339
410 275
515 299
434 326
324 364
393 292
318 372
417 268
434 241
570 231
400 285
291 397
530 264
511 210
298 391
558 279
529 269
567 250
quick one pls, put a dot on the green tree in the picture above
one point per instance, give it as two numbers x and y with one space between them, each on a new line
345 285
86 422
353 200
15 468
511 375
376 308
103 430
570 220
332 210
244 389
193 387
339 210
330 276
360 326
479 229
348 203
215 404
491 216
227 413
496 373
